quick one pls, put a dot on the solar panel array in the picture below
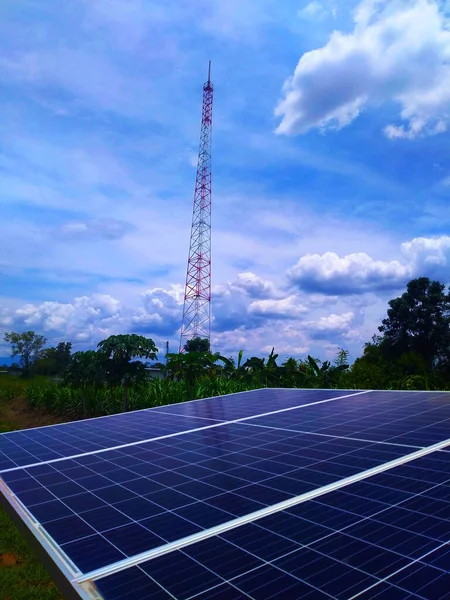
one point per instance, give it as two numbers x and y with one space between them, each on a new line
272 493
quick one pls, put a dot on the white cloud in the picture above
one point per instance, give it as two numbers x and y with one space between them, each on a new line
313 11
84 320
430 256
398 51
354 273
94 229
358 273
285 308
161 313
330 324
253 285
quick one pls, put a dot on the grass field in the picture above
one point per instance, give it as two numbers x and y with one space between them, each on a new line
22 577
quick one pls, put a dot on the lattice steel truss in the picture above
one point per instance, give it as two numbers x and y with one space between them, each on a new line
197 297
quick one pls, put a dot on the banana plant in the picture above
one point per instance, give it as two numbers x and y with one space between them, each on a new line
192 366
325 375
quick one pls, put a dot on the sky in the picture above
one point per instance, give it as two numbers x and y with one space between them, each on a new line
331 166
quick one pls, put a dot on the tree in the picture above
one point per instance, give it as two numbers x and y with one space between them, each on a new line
28 346
197 344
341 358
418 322
192 366
84 370
54 361
324 374
119 352
291 375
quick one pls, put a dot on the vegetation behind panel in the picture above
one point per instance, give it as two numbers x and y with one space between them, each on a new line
411 351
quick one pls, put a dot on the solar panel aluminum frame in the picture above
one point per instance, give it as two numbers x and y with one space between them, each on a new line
47 551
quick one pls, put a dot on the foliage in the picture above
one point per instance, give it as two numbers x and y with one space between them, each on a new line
84 371
192 366
197 344
413 352
54 361
28 346
418 325
117 353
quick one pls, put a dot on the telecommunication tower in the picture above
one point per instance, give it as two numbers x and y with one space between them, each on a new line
197 296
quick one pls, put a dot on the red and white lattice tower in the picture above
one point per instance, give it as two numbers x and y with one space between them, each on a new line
197 297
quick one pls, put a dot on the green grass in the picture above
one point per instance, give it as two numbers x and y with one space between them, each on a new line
22 576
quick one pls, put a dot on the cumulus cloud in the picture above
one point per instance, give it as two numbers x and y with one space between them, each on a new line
429 255
285 308
85 319
161 311
398 51
324 327
254 286
354 273
358 273
244 317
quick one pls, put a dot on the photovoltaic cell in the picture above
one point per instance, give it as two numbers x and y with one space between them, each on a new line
115 491
42 444
418 419
139 498
19 448
384 537
247 404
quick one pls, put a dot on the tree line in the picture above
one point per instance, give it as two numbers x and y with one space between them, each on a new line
411 351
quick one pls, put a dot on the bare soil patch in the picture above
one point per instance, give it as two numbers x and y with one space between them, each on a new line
18 415
8 559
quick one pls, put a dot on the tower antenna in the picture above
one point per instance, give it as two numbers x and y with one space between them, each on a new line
197 296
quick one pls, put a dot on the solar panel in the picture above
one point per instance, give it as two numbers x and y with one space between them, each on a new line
243 496
41 444
386 536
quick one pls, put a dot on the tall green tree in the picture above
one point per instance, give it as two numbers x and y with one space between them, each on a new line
193 366
119 353
28 346
54 361
83 371
418 322
197 344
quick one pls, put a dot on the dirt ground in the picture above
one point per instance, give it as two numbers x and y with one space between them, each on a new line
16 414
22 577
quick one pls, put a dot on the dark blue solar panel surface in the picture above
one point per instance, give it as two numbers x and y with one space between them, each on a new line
138 498
385 537
48 443
246 404
20 448
110 504
418 419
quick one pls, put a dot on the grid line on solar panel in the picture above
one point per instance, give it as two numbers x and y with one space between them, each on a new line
231 407
395 420
236 465
14 455
369 405
189 538
18 448
318 551
45 506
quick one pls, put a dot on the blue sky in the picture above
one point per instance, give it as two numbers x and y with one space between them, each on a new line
331 170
